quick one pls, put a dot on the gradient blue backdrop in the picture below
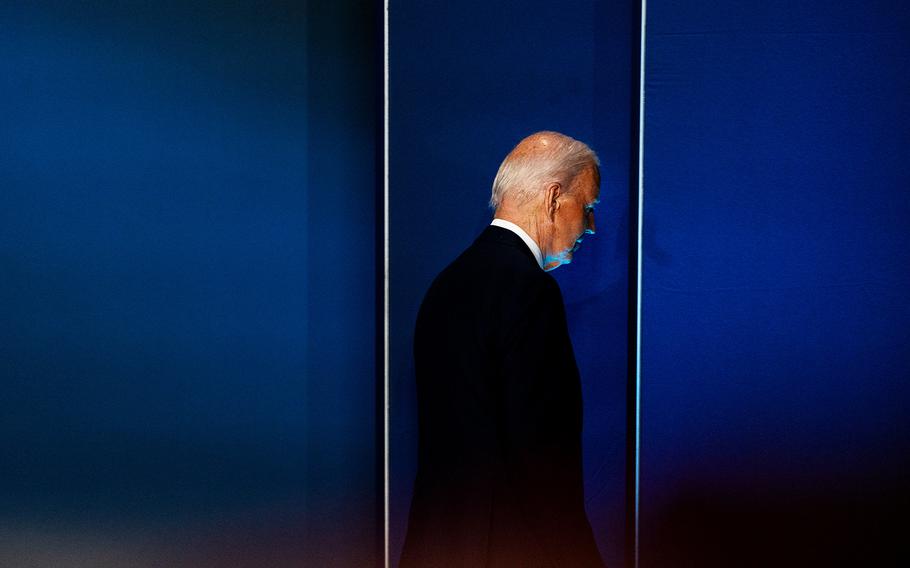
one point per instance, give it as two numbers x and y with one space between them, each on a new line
188 252
187 291
775 321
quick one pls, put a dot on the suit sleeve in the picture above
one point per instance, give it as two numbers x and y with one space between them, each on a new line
541 430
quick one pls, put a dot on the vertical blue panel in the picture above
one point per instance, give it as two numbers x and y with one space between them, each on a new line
161 241
776 326
342 524
468 81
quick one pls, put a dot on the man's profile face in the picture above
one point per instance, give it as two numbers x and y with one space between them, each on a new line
574 218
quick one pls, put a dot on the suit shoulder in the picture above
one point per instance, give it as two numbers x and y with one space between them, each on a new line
498 286
492 267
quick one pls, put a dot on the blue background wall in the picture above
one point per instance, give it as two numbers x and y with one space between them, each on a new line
343 481
188 239
187 289
468 80
776 326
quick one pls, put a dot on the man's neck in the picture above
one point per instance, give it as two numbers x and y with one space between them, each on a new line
522 232
526 222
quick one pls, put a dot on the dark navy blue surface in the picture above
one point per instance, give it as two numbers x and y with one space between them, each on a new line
186 285
775 319
468 81
187 255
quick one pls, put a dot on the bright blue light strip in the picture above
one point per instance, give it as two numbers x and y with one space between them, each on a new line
641 194
385 279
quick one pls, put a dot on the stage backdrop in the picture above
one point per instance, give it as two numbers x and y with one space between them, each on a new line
776 323
187 284
468 80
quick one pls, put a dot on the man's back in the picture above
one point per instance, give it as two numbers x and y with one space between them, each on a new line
499 480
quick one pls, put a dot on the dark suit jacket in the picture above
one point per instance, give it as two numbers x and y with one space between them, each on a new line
499 476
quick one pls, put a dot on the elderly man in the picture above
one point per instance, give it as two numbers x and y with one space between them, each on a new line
499 479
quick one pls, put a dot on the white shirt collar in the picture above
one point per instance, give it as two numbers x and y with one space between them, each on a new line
524 236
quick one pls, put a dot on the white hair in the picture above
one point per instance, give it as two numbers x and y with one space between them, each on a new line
556 158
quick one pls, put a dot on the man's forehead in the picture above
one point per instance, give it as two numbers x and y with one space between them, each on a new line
594 194
595 174
586 185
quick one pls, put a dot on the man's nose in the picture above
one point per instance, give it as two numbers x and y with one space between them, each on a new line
589 230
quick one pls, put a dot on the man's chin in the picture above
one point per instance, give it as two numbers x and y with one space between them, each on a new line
566 258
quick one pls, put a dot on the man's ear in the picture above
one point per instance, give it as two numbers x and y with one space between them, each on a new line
554 190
